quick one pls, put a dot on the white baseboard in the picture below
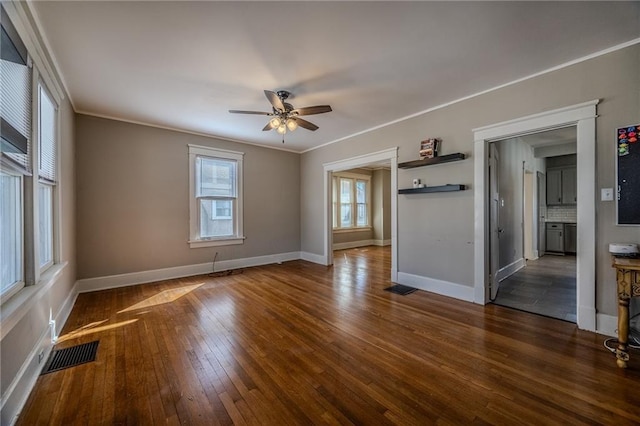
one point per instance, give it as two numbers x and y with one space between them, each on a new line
607 325
123 280
352 244
313 258
511 269
587 318
361 243
445 288
18 391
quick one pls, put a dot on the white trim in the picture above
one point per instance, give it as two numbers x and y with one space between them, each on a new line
349 230
390 154
15 308
16 395
353 244
607 325
195 151
313 258
510 269
27 27
445 288
501 86
123 280
583 116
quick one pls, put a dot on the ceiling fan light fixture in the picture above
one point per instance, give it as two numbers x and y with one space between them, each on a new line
291 125
275 122
282 129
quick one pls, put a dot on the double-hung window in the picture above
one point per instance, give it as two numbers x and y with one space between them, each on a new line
46 176
28 152
215 197
15 156
351 201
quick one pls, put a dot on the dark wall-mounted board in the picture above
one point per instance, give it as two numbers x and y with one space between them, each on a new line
628 174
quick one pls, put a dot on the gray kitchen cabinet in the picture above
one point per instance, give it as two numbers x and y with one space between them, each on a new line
569 186
561 186
555 238
554 187
570 236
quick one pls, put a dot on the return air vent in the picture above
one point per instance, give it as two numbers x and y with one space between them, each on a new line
70 357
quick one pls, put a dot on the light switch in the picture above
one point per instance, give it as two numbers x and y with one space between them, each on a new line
606 194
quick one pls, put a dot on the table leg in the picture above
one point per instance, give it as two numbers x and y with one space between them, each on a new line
622 354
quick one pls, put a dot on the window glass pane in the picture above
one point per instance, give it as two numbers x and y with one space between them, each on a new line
212 226
45 218
47 136
10 231
362 215
217 177
345 215
345 190
361 194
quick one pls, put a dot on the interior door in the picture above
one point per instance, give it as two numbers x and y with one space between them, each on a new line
542 212
494 198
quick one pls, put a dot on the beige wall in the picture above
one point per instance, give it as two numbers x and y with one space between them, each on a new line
436 231
133 199
381 204
32 330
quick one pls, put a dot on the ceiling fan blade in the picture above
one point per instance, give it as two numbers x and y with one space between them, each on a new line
304 124
275 100
318 109
236 111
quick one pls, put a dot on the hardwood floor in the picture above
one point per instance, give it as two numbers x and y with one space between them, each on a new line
546 286
300 343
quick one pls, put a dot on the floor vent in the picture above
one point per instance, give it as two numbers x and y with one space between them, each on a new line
400 289
70 357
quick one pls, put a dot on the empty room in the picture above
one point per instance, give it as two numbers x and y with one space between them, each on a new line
319 212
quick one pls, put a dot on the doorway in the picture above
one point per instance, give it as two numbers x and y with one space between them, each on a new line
389 159
583 117
535 276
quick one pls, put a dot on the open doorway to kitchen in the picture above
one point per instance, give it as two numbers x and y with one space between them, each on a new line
537 222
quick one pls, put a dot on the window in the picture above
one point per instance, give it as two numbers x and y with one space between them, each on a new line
15 156
216 197
46 175
351 205
28 149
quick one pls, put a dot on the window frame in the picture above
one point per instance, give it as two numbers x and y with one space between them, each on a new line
335 183
41 88
195 240
16 286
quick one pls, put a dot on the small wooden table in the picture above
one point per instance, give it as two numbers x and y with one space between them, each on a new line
628 279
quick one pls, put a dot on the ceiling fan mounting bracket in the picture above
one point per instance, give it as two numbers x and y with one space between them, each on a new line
283 94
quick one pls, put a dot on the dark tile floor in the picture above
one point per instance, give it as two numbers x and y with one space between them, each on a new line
546 286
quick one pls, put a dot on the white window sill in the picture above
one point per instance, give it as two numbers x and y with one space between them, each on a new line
216 242
345 230
19 304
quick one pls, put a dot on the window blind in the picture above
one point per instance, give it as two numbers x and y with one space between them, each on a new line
15 102
47 136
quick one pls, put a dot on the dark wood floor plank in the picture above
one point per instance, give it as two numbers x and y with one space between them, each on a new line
300 343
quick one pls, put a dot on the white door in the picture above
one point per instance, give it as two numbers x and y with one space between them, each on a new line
542 213
494 196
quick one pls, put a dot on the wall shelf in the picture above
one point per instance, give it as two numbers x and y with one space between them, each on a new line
427 189
431 161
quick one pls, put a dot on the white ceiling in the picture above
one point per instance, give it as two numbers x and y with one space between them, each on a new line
183 65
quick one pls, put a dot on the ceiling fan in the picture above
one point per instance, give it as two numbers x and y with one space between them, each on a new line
285 116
